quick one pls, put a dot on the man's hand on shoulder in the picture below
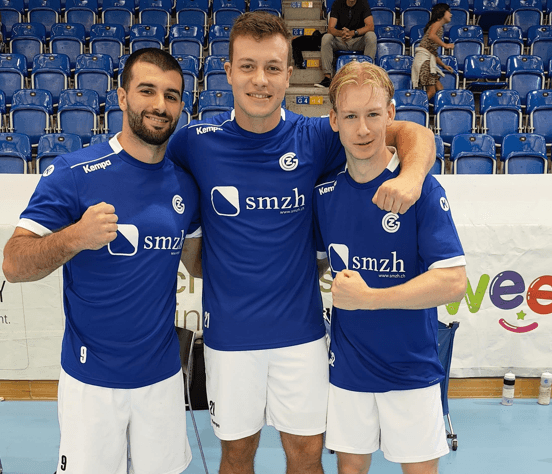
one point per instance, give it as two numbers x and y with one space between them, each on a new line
398 194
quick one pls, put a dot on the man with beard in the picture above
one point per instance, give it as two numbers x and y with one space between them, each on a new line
116 215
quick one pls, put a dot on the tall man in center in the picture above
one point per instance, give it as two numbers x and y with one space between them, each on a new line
256 167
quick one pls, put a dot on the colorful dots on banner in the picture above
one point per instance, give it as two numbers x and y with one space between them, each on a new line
309 100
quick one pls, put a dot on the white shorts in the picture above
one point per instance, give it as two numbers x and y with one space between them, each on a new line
285 387
410 423
95 422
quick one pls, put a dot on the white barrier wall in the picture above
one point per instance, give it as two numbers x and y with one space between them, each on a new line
505 223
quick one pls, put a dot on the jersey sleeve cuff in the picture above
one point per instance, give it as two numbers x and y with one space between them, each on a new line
321 255
459 261
33 227
196 234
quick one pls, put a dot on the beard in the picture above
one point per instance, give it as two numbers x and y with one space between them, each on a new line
151 137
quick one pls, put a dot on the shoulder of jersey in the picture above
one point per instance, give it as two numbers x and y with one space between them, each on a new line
91 156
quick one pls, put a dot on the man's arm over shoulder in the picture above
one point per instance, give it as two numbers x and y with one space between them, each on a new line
30 257
416 149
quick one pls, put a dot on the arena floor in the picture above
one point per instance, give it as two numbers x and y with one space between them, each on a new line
491 439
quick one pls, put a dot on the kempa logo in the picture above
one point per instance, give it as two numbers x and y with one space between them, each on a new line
226 201
338 255
444 204
98 166
202 130
390 222
326 189
178 205
48 171
289 162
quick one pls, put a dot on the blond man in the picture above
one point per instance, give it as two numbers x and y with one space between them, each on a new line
390 272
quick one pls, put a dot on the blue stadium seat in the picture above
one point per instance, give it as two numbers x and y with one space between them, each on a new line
539 111
225 17
95 72
119 12
219 40
28 39
186 40
526 13
113 122
451 79
524 153
525 74
454 113
347 58
439 165
214 102
55 144
12 12
416 35
473 153
146 36
414 12
155 12
412 105
467 40
398 68
383 12
482 72
193 17
214 75
269 6
187 110
15 153
192 12
390 40
83 12
540 43
78 113
500 112
505 41
490 12
121 64
31 113
13 71
51 72
46 12
229 5
108 39
68 39
3 122
101 138
190 72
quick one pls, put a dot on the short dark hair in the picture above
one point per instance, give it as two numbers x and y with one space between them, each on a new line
259 25
157 57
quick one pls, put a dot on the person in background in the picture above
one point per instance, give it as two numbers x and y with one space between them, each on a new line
424 69
350 28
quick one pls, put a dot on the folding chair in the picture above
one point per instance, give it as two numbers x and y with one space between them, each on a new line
539 110
383 12
269 6
414 12
398 68
146 36
439 165
219 39
51 72
119 12
15 153
78 113
487 13
108 39
390 40
28 39
505 41
13 71
83 12
214 75
46 12
31 113
525 74
186 40
347 58
540 43
500 112
193 12
482 72
68 39
445 335
155 12
95 72
212 103
526 13
412 105
12 12
454 113
467 40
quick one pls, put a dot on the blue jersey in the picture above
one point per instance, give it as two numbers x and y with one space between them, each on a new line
260 283
383 350
119 301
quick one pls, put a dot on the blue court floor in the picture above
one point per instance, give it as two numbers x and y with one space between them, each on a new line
492 439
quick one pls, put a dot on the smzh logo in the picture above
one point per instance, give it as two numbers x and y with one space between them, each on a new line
390 222
338 256
288 162
225 200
